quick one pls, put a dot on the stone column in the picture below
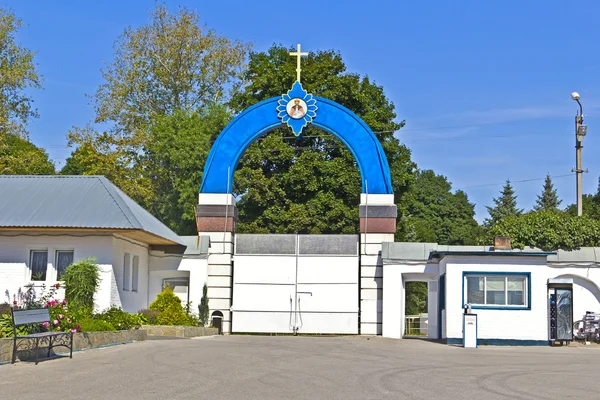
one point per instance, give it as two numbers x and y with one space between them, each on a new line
216 216
377 225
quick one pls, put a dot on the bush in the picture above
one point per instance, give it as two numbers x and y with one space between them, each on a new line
96 325
203 309
120 319
171 311
150 316
81 281
5 308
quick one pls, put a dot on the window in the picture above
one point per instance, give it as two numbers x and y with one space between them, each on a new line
38 264
135 272
504 290
63 260
126 272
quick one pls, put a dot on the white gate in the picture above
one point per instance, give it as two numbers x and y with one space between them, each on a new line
296 284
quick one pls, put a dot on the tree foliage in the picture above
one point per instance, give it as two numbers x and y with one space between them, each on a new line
590 205
436 214
18 156
18 74
547 230
163 98
548 200
203 309
505 205
416 298
311 185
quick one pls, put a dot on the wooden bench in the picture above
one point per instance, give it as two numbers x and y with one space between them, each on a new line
52 339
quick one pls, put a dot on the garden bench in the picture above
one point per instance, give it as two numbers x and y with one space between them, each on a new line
53 339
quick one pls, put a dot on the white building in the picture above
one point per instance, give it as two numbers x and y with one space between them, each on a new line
508 290
47 222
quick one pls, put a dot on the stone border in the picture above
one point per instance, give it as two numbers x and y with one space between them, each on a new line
81 341
179 331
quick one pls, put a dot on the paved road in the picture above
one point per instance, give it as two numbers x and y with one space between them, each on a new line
252 367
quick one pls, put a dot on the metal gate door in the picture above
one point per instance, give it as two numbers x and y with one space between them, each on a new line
296 284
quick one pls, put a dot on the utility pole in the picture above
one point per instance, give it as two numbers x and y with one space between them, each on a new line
580 132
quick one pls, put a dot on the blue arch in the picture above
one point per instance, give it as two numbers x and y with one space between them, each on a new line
262 117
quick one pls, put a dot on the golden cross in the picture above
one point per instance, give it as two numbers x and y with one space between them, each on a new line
298 54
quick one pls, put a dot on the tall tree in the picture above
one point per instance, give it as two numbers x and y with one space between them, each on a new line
505 205
167 79
548 200
18 75
18 156
437 214
311 185
590 205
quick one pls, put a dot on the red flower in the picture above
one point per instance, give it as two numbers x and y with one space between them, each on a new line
57 285
15 302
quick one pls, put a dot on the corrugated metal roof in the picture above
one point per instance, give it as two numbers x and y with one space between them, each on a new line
73 202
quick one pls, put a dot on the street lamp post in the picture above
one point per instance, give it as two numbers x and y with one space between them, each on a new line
580 132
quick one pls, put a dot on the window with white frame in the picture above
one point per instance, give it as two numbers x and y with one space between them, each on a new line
63 259
127 272
135 273
38 264
497 290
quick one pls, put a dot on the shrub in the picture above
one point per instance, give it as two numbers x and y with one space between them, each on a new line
171 311
120 319
150 316
5 308
96 325
203 309
81 281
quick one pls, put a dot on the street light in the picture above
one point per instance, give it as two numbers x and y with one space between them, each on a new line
580 132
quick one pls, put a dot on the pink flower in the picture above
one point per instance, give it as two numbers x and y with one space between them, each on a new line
64 302
55 322
46 324
69 319
78 327
60 316
73 330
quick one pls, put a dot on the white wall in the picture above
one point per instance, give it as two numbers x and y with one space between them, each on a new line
531 324
15 249
164 266
129 300
394 278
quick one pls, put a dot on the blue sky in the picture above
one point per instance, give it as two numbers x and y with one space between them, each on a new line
483 85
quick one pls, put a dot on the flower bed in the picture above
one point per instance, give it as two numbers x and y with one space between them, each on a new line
81 341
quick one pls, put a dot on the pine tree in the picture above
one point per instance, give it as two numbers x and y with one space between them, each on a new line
549 199
203 307
505 205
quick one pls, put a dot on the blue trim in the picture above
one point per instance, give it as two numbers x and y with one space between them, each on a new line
262 117
500 342
484 307
441 302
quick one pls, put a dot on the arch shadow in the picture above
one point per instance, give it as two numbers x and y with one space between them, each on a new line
261 118
585 283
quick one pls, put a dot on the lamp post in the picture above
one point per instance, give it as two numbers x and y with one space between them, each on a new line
580 132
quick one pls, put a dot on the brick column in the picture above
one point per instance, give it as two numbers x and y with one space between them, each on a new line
377 225
216 216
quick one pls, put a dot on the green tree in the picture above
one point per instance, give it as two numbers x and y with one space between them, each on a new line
436 214
203 309
18 156
17 76
81 282
311 185
547 230
548 200
590 205
176 153
170 67
505 205
416 298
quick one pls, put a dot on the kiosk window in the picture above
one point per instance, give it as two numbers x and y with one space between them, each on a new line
496 290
